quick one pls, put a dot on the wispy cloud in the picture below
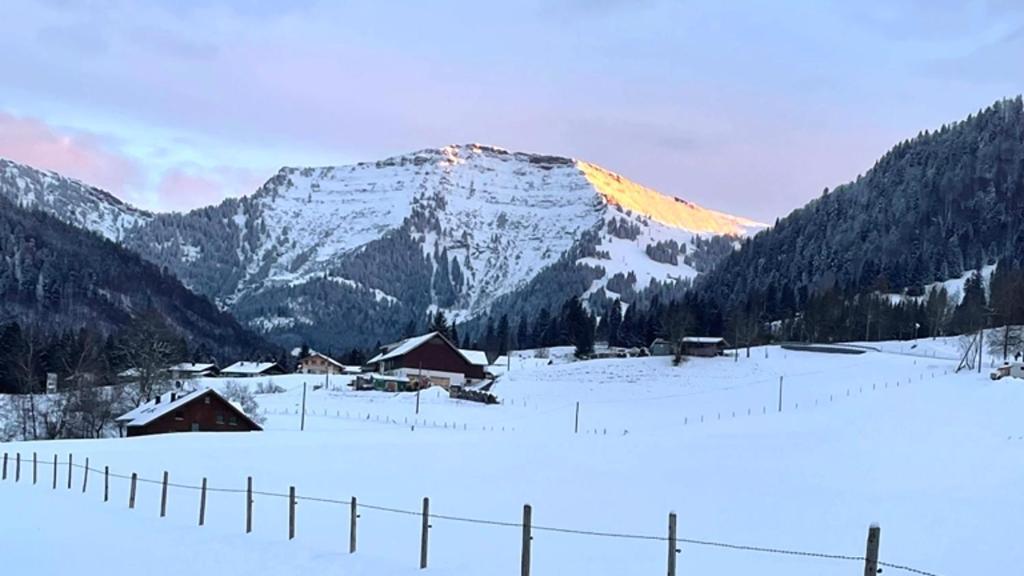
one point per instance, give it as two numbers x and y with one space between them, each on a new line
76 154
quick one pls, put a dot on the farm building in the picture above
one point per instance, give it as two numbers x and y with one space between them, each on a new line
431 357
190 370
252 369
703 346
317 363
661 347
186 411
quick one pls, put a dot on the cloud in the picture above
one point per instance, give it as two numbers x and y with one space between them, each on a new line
80 155
154 182
183 188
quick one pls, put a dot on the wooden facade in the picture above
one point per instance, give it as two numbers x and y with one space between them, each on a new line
431 356
317 363
205 411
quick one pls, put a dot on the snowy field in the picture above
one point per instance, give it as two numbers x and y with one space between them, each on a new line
892 437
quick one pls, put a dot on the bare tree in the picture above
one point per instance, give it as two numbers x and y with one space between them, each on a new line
147 350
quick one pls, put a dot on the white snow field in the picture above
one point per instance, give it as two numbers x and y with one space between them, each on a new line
936 458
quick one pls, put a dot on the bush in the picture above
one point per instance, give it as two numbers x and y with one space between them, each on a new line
243 396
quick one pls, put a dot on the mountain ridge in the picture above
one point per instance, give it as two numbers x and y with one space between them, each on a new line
452 228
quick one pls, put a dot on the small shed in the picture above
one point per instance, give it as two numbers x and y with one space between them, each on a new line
183 411
706 346
661 347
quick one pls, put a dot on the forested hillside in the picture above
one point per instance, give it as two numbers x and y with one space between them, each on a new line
55 278
932 208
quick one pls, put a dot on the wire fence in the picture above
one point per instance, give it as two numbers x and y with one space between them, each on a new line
15 470
782 404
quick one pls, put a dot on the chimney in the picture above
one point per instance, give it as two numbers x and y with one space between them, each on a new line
174 396
157 400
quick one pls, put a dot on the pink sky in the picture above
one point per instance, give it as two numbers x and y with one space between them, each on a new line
748 108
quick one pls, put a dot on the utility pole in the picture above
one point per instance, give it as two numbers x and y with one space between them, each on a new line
302 423
780 393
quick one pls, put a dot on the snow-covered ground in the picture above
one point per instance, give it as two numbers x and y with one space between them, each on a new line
892 437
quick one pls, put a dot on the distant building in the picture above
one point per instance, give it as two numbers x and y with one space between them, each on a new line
707 346
661 347
430 357
251 369
182 411
317 363
190 370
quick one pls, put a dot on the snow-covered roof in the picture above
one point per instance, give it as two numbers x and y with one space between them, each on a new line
248 368
325 357
168 402
703 340
476 357
130 373
192 367
402 348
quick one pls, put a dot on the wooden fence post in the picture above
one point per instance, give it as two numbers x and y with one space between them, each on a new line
291 512
424 532
131 493
527 538
163 497
672 550
248 505
35 468
17 467
354 514
106 483
70 456
54 471
576 430
85 477
871 558
202 504
5 466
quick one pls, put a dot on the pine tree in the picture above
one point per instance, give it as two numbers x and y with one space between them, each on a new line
523 334
502 336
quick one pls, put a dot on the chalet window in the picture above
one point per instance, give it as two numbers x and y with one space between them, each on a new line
206 400
179 415
234 421
220 418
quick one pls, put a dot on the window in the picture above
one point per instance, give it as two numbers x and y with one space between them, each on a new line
179 415
234 421
206 400
220 418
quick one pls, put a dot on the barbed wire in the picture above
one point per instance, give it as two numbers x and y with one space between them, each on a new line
499 523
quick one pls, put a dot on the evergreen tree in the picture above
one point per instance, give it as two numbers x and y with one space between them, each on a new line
523 334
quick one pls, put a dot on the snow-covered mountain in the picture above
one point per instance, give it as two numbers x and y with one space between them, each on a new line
69 200
455 228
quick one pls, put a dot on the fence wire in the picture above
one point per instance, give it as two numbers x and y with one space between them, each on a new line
488 522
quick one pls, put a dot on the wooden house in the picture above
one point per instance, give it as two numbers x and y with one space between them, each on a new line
429 357
252 369
191 370
186 411
317 363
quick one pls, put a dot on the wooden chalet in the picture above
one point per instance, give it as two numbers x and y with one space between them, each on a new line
186 411
190 370
252 369
317 363
430 357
